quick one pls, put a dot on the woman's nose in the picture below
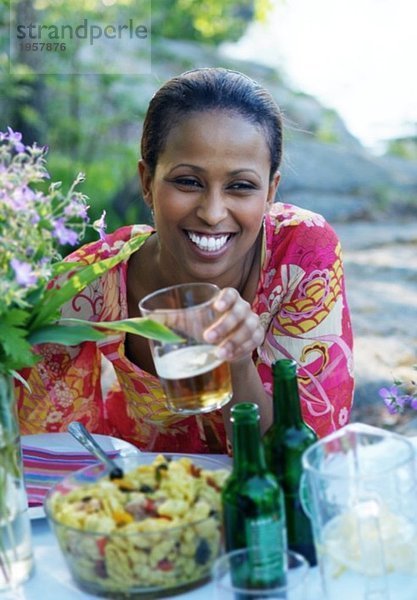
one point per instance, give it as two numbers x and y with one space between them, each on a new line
212 207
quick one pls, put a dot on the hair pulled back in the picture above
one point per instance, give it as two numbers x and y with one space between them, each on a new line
210 89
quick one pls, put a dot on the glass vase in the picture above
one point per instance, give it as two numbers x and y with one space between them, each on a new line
16 558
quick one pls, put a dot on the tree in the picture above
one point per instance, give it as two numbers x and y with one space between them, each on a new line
210 21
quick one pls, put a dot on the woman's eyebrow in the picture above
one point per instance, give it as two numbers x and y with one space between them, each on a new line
191 166
202 170
243 170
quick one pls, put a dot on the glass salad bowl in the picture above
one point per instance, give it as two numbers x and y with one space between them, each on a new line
155 530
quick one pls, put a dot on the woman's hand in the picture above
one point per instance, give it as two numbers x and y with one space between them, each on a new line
238 331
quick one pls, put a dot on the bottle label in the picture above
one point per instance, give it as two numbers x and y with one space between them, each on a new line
265 538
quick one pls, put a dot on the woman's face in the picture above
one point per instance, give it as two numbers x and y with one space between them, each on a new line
209 193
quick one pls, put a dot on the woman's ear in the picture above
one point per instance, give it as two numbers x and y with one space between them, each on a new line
146 181
273 186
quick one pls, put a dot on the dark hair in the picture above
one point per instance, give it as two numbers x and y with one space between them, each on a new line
208 89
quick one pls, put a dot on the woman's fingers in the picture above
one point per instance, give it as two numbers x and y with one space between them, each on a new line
238 331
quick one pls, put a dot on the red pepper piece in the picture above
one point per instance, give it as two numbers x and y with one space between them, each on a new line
165 565
101 544
150 506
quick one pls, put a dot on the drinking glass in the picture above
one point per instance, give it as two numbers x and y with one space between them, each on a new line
194 379
360 491
233 575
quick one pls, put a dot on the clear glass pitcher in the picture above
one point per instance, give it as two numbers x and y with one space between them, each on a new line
359 489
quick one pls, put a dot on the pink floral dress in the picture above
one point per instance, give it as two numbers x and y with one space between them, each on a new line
302 305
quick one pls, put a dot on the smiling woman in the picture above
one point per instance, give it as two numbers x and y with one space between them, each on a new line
211 149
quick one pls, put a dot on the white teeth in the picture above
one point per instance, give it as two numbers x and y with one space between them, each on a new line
208 243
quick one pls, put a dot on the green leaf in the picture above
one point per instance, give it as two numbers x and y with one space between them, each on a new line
70 332
66 335
16 350
63 267
23 381
14 317
138 325
55 298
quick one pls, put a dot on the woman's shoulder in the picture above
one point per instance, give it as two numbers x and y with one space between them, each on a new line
282 215
297 236
292 223
109 246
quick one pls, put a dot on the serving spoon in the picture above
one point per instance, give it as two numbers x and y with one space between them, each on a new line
80 433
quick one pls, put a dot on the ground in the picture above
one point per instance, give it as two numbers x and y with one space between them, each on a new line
381 275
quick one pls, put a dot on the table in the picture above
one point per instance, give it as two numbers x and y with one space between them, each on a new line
51 579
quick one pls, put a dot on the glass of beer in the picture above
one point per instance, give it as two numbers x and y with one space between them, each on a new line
194 379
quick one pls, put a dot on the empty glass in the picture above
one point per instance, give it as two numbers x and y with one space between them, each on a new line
233 576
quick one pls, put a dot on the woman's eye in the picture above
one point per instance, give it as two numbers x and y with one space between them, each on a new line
242 185
187 182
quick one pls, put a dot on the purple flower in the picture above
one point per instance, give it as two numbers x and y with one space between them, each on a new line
76 209
63 234
100 225
15 137
22 196
393 400
35 218
23 271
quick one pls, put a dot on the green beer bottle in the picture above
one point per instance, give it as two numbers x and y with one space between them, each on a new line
253 504
285 442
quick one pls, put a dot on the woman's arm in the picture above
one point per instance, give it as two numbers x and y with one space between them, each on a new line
248 387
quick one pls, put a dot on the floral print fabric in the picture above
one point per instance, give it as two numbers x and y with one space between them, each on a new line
302 305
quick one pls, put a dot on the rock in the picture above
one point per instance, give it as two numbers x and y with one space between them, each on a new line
403 172
340 181
311 164
333 206
373 236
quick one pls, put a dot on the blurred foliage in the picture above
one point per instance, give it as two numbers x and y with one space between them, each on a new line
403 147
326 132
92 122
210 21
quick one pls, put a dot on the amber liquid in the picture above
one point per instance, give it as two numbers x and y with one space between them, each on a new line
194 379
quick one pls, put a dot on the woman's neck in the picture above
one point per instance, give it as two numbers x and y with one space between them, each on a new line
249 280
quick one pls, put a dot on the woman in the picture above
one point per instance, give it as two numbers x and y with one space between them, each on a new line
211 149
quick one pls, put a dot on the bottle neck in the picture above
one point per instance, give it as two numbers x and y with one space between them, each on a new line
248 451
286 400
